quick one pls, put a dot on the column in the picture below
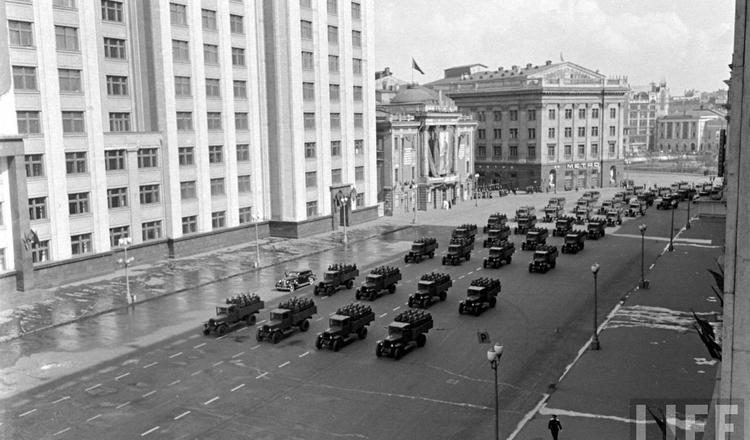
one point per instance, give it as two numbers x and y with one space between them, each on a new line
11 150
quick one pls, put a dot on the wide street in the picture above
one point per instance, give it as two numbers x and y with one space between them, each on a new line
147 382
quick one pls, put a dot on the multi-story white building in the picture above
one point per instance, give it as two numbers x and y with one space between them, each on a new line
690 132
173 122
645 105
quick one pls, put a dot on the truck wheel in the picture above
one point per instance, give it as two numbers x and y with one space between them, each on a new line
477 311
362 333
357 296
259 336
378 350
406 259
432 254
337 345
397 353
484 264
222 330
421 340
316 291
531 269
582 244
276 337
319 342
349 284
468 256
391 288
460 308
304 325
250 320
443 295
443 261
523 246
493 302
206 331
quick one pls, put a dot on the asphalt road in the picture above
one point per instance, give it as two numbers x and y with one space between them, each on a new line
144 382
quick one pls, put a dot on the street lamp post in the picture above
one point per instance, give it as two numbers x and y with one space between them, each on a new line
493 355
671 227
644 283
256 218
476 187
124 242
414 207
687 224
595 342
344 203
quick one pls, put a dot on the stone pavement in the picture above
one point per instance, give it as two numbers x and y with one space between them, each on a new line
650 352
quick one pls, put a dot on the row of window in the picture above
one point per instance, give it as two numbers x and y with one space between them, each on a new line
181 53
179 17
551 132
497 151
552 114
332 7
335 120
334 92
311 177
306 31
24 79
308 63
66 38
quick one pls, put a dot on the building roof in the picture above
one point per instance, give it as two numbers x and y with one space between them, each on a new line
696 114
415 94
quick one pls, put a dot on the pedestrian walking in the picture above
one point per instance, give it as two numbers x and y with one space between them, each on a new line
554 427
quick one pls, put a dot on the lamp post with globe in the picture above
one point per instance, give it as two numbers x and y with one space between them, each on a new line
493 355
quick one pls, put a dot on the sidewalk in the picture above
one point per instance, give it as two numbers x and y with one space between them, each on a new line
650 354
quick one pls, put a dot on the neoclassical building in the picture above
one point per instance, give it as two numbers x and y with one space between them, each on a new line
553 125
425 150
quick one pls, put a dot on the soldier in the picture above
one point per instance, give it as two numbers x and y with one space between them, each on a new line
554 427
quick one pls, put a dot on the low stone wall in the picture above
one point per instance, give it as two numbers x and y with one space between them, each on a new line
196 243
364 215
710 209
304 228
8 282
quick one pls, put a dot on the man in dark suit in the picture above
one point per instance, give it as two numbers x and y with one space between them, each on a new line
554 427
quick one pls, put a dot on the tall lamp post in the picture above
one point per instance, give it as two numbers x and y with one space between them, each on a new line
124 242
256 218
493 355
595 342
673 205
476 188
644 283
687 223
414 207
344 205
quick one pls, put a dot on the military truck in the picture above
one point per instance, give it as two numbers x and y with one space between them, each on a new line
421 249
648 197
408 330
669 201
379 280
499 255
431 288
289 316
556 201
636 207
525 211
605 206
347 324
595 229
480 296
525 218
458 250
465 231
574 242
563 225
544 259
614 217
535 237
495 221
337 276
239 309
582 214
552 212
497 236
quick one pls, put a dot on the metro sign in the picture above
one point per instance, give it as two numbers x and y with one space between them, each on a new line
581 165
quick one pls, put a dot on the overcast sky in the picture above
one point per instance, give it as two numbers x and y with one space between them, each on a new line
688 43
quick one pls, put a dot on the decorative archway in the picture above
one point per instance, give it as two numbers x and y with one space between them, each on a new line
613 175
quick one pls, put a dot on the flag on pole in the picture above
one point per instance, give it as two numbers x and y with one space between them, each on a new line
415 66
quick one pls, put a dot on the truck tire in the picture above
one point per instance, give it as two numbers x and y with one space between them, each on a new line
443 295
468 256
510 258
523 246
336 344
222 330
250 319
350 284
362 333
275 337
206 331
432 254
484 264
391 288
421 340
378 350
319 342
406 259
397 353
316 291
304 325
259 336
493 302
357 295
460 308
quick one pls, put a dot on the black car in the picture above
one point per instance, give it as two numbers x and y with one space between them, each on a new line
295 279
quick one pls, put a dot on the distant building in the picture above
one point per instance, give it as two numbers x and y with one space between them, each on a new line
689 132
386 86
425 150
645 105
554 125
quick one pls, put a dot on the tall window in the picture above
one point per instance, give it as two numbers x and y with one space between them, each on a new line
357 93
514 115
333 64
551 133
189 224
612 130
551 114
612 148
306 29
581 113
119 121
309 119
481 151
213 88
236 24
335 148
238 56
240 89
581 131
188 190
594 150
148 157
356 11
37 208
217 186
551 151
358 120
594 113
594 131
497 115
336 175
117 198
115 160
151 230
20 33
182 86
497 133
311 179
215 154
612 113
357 66
116 85
359 147
359 173
210 54
335 121
532 152
312 209
149 194
333 35
568 113
186 156
532 133
112 11
568 132
244 184
80 244
34 165
497 151
334 92
568 151
178 14
513 151
218 219
184 121
308 91
356 39
29 122
40 251
246 214
114 48
73 122
581 151
243 153
214 120
180 51
116 233
24 78
332 6
240 121
78 203
481 133
514 133
310 150
308 61
66 38
531 114
208 19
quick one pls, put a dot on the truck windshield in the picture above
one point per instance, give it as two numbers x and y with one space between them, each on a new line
335 323
394 332
222 310
540 257
571 238
277 316
330 276
417 247
454 248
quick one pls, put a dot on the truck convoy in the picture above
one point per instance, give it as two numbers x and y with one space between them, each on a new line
235 310
563 225
347 324
431 288
495 221
499 255
379 280
535 237
574 242
290 315
481 295
421 249
458 250
496 236
465 231
337 276
595 228
525 219
407 331
545 258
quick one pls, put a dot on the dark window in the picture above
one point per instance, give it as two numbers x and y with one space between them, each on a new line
28 122
236 24
218 219
114 48
37 208
117 198
24 78
80 244
149 194
240 89
78 203
148 157
117 233
309 150
187 190
217 187
151 230
20 33
190 224
73 122
243 152
182 86
208 19
244 184
75 162
117 85
119 121
34 165
186 156
115 160
215 154
184 121
112 11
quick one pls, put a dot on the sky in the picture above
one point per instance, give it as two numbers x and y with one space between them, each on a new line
688 43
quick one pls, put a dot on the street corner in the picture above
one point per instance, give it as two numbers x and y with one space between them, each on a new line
576 425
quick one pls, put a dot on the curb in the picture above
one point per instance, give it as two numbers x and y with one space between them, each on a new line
196 286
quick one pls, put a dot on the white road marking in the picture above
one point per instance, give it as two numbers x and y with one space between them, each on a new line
196 373
121 376
175 355
237 387
396 308
285 364
149 393
193 336
527 417
150 365
199 345
257 377
470 273
27 413
242 329
62 431
254 347
61 399
383 315
544 410
216 364
651 267
143 434
303 354
462 277
209 401
93 387
221 337
479 268
122 405
182 415
90 419
238 354
324 297
174 383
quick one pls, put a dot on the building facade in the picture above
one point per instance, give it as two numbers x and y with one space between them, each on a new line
693 132
427 147
386 86
159 120
551 126
645 105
